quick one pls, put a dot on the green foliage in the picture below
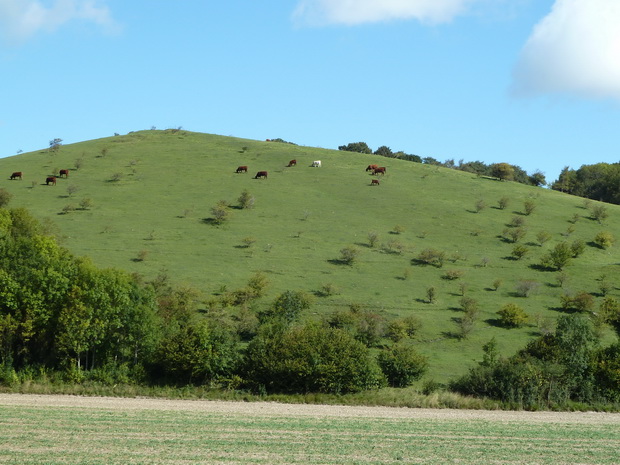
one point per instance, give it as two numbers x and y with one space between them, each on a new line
559 257
604 239
503 171
246 200
432 257
5 197
287 307
503 202
403 328
220 212
529 206
519 251
359 147
198 353
309 358
580 302
349 255
512 316
599 182
402 365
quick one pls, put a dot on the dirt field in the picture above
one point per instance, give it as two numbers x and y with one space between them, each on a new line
67 429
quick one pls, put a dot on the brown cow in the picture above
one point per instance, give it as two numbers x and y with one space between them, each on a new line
16 174
63 172
292 163
379 170
372 167
50 180
242 169
261 174
374 182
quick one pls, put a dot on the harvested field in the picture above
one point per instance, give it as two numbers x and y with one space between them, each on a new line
87 430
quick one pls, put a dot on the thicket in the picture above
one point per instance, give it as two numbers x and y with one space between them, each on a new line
553 370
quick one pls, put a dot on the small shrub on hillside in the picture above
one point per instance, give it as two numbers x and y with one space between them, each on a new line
431 295
574 218
68 209
403 328
452 274
542 237
373 239
258 284
514 235
512 316
142 255
519 251
529 206
558 258
497 284
402 365
221 213
398 229
432 257
246 200
517 221
248 241
580 302
503 202
5 197
328 289
598 213
393 246
115 177
86 203
349 255
78 163
480 205
72 189
469 306
526 287
577 247
604 239
287 307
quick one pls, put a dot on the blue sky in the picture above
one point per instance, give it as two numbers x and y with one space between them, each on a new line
535 83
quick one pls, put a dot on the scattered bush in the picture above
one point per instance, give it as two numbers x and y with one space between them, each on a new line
5 197
221 213
526 287
246 200
519 251
373 238
604 239
542 237
452 274
512 316
503 202
528 207
432 257
349 255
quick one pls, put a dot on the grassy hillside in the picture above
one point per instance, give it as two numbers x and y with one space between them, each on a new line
151 194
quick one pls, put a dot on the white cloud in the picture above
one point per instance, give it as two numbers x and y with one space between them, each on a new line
573 50
350 12
22 19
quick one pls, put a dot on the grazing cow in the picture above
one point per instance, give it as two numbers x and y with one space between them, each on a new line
316 164
17 174
242 169
374 182
380 170
261 174
292 163
63 172
372 167
50 180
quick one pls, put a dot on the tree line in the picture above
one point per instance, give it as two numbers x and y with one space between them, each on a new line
503 171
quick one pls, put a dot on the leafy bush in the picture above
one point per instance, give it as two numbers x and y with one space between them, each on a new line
432 257
512 316
402 365
604 239
309 358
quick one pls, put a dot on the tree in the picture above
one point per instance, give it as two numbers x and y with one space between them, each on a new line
359 147
503 171
287 307
538 179
559 257
384 151
402 365
55 145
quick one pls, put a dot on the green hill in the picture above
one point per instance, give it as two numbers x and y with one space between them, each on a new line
148 197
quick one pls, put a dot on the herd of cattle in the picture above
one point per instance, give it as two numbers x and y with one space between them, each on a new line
49 181
376 169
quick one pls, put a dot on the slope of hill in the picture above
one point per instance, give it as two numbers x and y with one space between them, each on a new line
151 194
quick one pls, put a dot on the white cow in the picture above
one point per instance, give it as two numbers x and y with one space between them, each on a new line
316 164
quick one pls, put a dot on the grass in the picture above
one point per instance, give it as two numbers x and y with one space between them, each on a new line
149 211
104 431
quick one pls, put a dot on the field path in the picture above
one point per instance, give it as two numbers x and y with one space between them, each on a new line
72 429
